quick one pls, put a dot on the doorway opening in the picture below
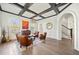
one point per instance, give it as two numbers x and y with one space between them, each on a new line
67 28
67 25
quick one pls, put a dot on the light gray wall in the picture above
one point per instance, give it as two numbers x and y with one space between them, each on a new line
52 33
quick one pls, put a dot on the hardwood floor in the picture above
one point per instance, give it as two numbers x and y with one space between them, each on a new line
49 47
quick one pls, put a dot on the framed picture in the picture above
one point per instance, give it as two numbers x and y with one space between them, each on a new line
49 25
25 24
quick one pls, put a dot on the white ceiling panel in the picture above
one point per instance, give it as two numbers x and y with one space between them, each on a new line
49 13
28 14
38 17
60 8
39 7
10 8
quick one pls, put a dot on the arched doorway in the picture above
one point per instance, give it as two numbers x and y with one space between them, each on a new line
68 19
67 25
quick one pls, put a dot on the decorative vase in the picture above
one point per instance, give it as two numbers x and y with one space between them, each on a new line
3 37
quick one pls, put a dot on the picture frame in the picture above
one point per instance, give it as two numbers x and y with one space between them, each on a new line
49 25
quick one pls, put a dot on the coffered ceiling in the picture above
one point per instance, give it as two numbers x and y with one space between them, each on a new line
35 11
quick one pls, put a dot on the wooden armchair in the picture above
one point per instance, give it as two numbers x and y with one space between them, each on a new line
26 32
24 41
43 36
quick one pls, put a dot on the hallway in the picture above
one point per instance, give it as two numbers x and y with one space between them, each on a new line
49 47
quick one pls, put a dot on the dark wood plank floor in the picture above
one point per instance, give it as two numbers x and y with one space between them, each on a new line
49 47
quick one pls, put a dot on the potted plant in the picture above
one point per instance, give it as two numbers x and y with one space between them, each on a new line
3 36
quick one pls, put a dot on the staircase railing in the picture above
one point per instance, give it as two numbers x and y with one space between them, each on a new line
68 29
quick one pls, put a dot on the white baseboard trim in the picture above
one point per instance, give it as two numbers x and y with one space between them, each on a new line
52 38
